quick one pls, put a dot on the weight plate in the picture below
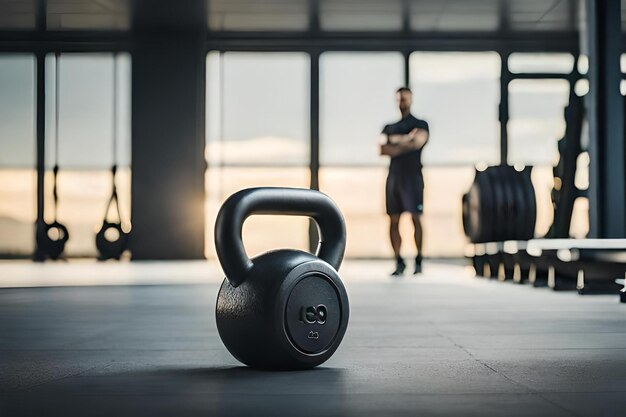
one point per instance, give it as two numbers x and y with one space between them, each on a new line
466 217
512 202
477 206
474 207
520 204
499 201
313 314
531 203
486 209
517 204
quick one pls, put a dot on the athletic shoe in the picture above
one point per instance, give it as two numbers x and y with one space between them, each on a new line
418 265
400 267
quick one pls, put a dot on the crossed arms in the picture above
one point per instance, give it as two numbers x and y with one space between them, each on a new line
399 144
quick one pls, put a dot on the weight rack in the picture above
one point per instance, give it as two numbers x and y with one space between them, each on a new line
584 265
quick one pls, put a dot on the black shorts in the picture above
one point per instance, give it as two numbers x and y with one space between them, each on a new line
404 193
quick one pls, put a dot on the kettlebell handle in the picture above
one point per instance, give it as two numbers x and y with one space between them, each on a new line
273 200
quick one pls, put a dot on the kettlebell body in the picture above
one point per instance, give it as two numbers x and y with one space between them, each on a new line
285 309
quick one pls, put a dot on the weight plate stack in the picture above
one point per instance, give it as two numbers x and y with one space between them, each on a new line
502 202
512 204
500 205
507 212
517 204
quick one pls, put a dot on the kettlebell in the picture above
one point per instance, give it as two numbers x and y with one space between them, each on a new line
284 309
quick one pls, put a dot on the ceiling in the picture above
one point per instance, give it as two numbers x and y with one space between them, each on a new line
439 16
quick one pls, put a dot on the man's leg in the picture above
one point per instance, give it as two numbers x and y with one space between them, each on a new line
418 235
396 242
417 223
394 234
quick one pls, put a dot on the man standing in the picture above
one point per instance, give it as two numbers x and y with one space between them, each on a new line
405 184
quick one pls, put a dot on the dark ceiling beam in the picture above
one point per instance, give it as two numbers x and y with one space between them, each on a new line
66 42
82 40
522 41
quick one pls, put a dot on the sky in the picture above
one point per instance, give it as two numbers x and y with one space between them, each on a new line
258 108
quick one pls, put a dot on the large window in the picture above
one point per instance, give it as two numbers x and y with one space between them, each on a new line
556 63
84 147
258 108
257 135
536 120
17 154
357 98
458 94
359 192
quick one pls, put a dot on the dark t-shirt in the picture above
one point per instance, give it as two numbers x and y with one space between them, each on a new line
409 162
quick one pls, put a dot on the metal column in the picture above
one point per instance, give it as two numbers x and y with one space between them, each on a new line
315 141
503 109
314 115
168 102
40 125
602 41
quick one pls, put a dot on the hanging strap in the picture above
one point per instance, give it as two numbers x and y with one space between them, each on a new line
113 170
57 112
114 141
113 197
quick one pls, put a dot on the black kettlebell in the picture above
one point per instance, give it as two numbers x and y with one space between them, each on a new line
48 245
111 249
284 309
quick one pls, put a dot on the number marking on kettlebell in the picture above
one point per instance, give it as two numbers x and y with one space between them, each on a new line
313 335
314 314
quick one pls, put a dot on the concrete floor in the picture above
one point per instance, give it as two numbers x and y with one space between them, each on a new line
442 344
